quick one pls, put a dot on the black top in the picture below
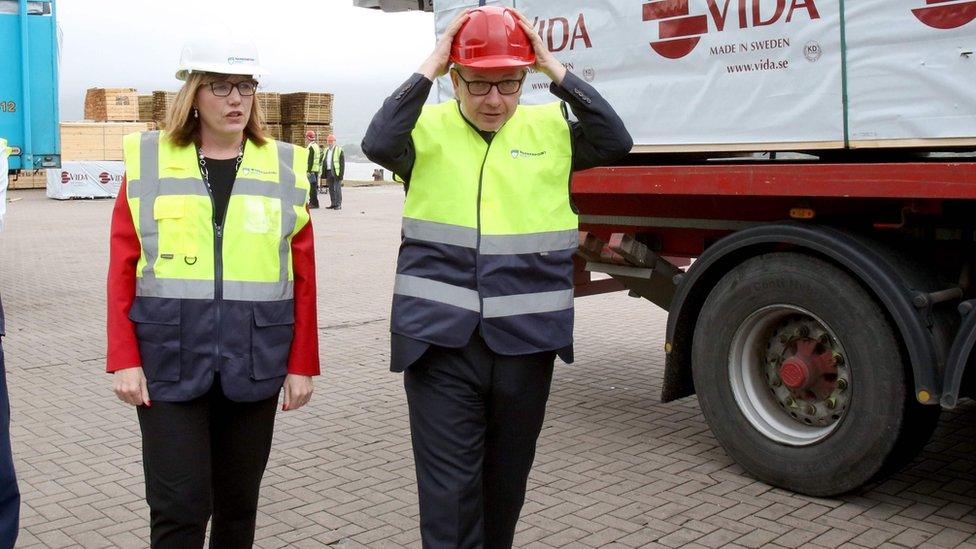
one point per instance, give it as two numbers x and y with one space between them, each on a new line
222 174
2 331
598 138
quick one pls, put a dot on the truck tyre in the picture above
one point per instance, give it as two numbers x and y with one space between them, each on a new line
801 378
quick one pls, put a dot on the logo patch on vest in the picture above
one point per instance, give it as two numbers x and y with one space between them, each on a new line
255 171
518 153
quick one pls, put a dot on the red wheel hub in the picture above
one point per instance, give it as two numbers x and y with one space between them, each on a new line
807 370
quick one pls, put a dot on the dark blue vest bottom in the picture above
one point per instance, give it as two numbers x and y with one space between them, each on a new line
182 343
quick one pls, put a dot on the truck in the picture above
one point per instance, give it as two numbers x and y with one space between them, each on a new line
810 227
29 83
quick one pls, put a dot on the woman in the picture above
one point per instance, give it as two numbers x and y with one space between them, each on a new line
211 298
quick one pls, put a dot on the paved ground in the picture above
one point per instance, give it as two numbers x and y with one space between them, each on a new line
615 467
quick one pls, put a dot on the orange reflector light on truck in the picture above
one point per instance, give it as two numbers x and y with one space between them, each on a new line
802 213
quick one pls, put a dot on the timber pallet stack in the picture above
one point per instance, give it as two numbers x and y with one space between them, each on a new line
146 108
274 131
111 104
161 103
271 106
295 133
305 111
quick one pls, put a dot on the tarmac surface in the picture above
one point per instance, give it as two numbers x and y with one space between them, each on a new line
614 468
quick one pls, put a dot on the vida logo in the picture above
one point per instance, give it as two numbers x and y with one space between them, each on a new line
680 32
946 14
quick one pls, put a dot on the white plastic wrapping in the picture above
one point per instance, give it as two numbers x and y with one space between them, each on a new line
761 74
907 79
85 179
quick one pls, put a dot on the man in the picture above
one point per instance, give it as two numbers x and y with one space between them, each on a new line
9 492
483 301
333 168
314 167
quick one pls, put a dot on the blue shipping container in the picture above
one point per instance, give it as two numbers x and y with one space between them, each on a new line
29 83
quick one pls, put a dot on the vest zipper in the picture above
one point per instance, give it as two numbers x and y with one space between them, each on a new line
477 250
218 274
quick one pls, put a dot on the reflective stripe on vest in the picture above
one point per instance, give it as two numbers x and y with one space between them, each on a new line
174 221
489 231
316 157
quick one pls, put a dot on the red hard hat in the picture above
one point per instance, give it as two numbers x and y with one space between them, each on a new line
309 134
491 38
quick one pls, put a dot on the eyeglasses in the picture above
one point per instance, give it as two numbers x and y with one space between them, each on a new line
222 88
482 87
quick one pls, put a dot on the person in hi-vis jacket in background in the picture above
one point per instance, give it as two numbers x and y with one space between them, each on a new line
333 170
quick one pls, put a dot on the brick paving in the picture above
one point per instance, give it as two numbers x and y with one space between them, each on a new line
615 467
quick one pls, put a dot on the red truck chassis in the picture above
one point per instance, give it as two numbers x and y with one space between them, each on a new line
827 307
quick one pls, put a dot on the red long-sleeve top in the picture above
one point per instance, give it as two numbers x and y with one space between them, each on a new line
123 350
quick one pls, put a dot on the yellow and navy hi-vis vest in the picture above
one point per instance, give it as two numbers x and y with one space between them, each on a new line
488 233
316 157
210 300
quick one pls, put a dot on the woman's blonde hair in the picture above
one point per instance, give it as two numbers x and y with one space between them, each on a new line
183 129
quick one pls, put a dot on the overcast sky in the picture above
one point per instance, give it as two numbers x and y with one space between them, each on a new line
330 46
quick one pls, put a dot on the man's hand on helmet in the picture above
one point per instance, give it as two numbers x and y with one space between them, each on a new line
545 62
440 59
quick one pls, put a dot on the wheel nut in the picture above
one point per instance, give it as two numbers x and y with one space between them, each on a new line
810 410
839 358
791 402
777 381
804 331
831 402
842 384
824 339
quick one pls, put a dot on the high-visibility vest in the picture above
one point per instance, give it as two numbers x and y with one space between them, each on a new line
336 167
488 233
214 298
316 157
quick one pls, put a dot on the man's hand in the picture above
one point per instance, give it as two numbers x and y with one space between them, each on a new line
298 391
131 387
545 62
437 64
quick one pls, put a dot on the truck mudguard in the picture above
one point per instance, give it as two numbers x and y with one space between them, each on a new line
892 278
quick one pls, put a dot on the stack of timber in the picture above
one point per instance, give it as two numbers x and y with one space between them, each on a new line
111 104
146 108
306 108
295 133
161 103
96 140
273 131
33 179
304 111
271 105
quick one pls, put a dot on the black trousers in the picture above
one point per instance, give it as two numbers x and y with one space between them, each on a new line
335 190
200 457
475 417
313 191
9 492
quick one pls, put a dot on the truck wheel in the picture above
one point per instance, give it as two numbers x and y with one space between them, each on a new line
801 379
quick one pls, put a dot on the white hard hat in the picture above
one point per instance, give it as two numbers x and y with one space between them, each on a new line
219 56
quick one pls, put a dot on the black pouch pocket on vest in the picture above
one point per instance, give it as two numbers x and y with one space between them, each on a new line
274 327
158 331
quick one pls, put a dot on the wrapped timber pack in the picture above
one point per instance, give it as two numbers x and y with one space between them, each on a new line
703 75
